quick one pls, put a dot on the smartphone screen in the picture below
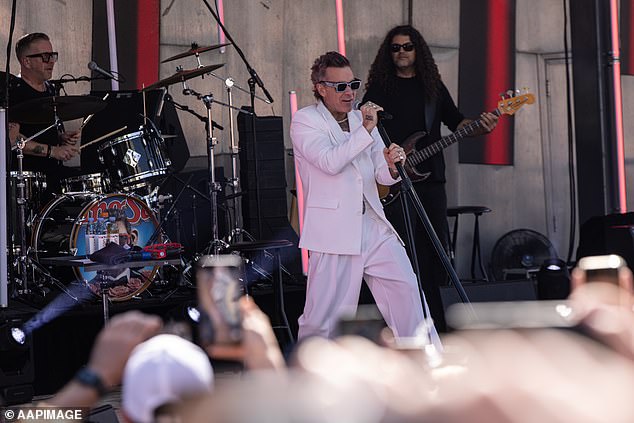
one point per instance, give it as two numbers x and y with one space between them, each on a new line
219 289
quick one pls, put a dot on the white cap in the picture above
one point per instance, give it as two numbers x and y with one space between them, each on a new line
162 370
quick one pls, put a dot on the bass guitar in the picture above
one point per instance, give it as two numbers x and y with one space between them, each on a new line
414 157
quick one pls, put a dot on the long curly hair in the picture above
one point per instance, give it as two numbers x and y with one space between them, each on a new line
382 71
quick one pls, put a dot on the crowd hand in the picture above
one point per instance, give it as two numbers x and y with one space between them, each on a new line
606 310
110 352
117 340
369 113
530 376
395 385
394 154
259 349
70 138
64 152
489 122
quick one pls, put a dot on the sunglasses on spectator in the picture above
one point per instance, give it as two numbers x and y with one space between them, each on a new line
397 47
46 57
340 87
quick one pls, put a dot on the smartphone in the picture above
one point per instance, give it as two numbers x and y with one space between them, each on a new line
219 289
512 315
602 268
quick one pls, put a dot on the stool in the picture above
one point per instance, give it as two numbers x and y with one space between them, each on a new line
273 248
477 211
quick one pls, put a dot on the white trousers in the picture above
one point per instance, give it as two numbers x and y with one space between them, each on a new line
334 284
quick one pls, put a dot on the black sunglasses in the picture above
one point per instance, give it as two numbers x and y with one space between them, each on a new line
46 57
340 87
409 46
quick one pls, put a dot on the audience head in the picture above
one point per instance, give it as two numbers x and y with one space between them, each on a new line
161 372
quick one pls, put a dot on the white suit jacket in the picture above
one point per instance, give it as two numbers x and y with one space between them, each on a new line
336 170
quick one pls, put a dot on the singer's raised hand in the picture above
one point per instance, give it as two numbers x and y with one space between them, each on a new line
369 112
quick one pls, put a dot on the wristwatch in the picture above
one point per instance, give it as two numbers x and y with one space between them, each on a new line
91 379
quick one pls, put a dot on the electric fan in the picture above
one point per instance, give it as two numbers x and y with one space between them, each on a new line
519 251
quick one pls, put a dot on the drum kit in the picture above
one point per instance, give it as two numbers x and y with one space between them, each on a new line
135 164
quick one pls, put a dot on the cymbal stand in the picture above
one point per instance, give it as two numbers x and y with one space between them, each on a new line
214 187
237 231
235 180
23 258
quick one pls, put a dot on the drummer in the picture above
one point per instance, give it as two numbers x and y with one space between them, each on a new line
48 151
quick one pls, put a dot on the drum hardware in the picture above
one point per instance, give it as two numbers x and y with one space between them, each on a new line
36 266
23 256
234 182
184 108
214 187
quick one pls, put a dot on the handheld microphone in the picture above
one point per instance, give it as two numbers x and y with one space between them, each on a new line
381 114
93 66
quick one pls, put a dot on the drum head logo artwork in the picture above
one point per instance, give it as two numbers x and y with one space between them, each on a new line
131 158
61 231
135 229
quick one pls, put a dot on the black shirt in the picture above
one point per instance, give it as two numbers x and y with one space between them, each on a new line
19 92
406 103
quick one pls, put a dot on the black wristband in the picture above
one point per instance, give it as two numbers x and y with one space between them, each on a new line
49 150
89 378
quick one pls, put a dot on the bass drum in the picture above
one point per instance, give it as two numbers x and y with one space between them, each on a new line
60 230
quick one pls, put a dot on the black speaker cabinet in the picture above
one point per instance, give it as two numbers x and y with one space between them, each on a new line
263 176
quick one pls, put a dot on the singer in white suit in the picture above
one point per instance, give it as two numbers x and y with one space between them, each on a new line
340 157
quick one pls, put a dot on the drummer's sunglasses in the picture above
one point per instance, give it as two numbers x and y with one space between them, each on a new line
340 87
46 57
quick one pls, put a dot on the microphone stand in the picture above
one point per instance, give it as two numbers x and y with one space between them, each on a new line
253 80
408 188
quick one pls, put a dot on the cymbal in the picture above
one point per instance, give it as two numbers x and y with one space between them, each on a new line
183 75
194 50
69 107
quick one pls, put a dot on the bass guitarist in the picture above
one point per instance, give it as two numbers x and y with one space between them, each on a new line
404 79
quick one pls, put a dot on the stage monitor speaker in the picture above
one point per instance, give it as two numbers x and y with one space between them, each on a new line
125 108
610 234
269 181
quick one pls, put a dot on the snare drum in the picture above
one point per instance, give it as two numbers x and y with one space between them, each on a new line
95 183
135 159
60 230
